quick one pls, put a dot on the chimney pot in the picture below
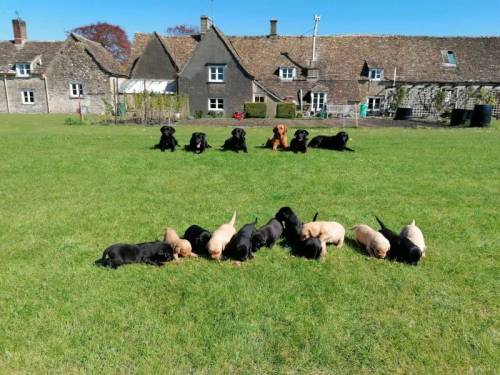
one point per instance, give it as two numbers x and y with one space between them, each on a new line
19 28
205 24
274 27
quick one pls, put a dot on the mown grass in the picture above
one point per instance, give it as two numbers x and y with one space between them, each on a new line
67 192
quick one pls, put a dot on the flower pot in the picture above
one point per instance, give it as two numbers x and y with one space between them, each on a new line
460 116
481 116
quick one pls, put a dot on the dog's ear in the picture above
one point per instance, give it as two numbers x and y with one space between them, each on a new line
243 132
297 132
306 132
172 129
285 129
233 133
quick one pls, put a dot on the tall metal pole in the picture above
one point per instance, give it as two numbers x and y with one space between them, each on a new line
316 21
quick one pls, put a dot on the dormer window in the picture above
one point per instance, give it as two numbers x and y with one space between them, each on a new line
23 70
376 74
287 74
449 58
216 73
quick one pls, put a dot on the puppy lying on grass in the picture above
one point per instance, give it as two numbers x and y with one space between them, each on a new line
376 244
415 235
198 237
154 253
267 235
325 231
181 247
220 238
402 249
240 247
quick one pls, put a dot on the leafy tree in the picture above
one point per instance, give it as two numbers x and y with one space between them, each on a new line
111 37
178 30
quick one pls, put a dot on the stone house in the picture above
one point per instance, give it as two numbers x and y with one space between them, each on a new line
56 77
220 73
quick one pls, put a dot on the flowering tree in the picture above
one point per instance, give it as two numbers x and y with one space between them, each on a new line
182 30
111 37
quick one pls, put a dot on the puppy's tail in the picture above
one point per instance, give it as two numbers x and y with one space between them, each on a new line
233 219
255 222
382 225
315 216
413 222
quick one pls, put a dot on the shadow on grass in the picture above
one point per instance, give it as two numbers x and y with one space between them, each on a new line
356 246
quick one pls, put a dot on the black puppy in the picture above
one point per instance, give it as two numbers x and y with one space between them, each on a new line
236 142
167 139
153 253
267 235
402 249
198 237
292 225
198 143
337 142
299 143
240 246
310 248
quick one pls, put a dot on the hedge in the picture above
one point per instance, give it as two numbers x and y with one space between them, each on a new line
255 110
285 110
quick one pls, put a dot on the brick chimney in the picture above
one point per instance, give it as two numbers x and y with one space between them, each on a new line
19 28
274 27
205 24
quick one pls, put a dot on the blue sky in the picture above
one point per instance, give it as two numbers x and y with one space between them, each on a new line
49 19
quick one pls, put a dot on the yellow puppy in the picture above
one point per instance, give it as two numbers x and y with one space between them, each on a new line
325 231
220 238
376 244
415 235
181 247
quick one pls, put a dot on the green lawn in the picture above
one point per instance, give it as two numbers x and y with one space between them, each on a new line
67 192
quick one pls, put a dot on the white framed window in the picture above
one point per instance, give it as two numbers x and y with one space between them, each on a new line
215 104
376 74
287 74
76 90
449 58
374 104
259 99
23 70
28 96
318 100
216 73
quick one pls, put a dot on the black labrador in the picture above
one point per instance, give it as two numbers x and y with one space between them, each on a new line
198 237
154 253
267 235
167 139
310 248
237 141
198 143
402 249
299 143
240 246
337 142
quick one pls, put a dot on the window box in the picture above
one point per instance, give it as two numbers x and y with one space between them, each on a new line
449 58
376 74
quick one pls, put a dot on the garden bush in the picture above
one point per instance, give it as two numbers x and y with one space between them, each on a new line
285 110
255 110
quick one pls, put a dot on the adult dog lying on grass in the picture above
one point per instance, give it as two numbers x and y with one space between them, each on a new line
237 141
336 142
167 139
153 253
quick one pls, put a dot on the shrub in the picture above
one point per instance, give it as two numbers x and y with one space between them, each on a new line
255 110
215 114
285 110
72 121
198 114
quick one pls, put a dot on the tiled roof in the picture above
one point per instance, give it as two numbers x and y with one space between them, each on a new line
102 57
11 54
342 60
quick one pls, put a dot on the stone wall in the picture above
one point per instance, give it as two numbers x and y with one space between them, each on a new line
74 65
15 87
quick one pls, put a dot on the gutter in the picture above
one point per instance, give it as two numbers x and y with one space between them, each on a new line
44 77
6 92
